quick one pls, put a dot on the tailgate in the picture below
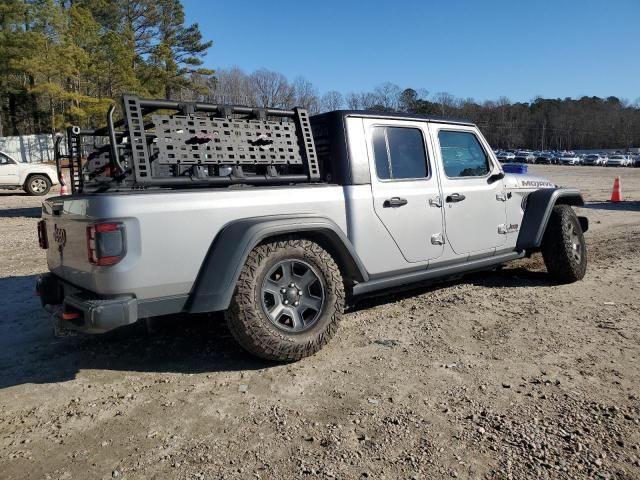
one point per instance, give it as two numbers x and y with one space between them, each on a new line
85 244
65 222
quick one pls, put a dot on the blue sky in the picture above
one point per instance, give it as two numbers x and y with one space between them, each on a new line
480 49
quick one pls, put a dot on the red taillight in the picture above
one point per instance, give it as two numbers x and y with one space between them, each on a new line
42 235
105 243
105 261
107 227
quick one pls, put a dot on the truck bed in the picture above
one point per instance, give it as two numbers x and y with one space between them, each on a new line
174 229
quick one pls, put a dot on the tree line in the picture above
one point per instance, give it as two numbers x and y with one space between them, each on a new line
64 62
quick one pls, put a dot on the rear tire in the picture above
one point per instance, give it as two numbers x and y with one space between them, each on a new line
37 185
288 301
563 246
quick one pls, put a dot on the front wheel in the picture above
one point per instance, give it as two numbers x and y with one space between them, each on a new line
563 246
37 185
288 300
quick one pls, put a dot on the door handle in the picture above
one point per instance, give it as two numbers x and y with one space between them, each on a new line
394 202
455 197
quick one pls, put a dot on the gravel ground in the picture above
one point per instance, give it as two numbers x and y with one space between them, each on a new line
499 375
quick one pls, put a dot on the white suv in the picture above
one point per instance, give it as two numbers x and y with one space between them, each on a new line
33 178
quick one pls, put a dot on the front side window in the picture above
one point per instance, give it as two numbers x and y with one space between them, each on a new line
462 155
399 153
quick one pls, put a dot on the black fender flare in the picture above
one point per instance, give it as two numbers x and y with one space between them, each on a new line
228 253
540 203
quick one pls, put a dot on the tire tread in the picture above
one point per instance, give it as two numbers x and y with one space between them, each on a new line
246 322
556 246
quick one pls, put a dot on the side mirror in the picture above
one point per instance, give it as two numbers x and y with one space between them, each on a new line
495 177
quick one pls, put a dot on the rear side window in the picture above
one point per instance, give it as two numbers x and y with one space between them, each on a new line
399 153
462 154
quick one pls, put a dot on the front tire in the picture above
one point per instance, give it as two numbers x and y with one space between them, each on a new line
563 246
37 185
288 300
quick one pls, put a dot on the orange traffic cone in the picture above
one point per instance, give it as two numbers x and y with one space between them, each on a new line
63 188
616 195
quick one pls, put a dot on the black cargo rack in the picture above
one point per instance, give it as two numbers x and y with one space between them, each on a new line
196 145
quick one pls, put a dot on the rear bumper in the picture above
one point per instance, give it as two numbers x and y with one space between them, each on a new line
82 310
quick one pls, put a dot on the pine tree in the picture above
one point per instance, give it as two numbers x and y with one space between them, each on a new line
13 82
178 52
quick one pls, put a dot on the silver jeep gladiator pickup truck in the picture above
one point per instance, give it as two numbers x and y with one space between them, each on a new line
280 220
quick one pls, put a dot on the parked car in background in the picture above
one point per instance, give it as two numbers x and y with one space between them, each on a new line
545 158
33 178
594 160
505 156
618 161
524 157
568 159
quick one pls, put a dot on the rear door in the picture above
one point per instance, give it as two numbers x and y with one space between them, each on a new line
474 204
405 187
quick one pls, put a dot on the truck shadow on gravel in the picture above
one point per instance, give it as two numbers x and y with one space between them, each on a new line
625 206
12 193
30 353
33 212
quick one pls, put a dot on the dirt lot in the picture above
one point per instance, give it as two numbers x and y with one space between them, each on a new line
501 375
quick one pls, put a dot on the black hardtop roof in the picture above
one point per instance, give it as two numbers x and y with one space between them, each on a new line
397 116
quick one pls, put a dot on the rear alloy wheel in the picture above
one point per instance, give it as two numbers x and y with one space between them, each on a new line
288 300
563 246
38 185
292 295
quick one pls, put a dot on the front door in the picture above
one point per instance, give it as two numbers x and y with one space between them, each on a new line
8 171
474 201
405 187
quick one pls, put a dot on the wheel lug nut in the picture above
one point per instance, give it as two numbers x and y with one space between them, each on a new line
292 285
300 292
286 302
283 290
296 304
